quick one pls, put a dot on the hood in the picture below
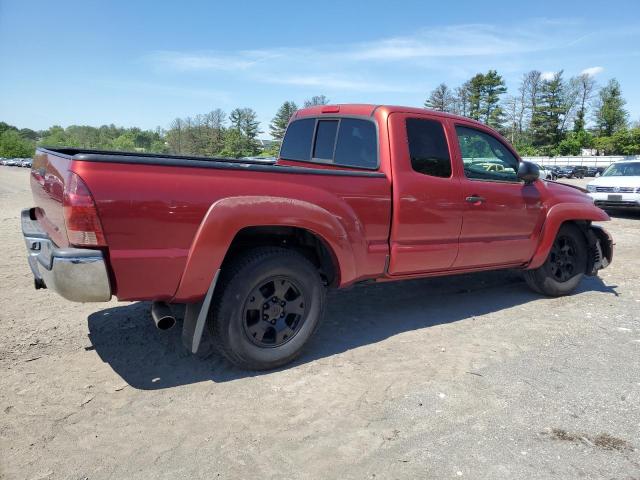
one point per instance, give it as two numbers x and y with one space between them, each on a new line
564 187
561 192
617 181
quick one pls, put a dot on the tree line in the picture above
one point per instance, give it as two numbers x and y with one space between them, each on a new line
211 134
547 115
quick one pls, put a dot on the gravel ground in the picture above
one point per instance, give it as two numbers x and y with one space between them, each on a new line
471 376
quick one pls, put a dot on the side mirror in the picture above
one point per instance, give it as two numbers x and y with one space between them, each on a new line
528 172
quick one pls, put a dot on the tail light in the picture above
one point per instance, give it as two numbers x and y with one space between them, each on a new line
80 214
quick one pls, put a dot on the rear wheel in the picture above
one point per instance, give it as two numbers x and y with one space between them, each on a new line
565 266
269 304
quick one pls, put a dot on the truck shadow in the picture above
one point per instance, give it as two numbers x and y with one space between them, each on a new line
148 359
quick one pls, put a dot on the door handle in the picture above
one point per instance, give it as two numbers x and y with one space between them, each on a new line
475 199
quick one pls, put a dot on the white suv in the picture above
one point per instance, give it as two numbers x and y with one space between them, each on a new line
618 186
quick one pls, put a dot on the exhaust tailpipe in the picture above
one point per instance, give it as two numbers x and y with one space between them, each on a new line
162 316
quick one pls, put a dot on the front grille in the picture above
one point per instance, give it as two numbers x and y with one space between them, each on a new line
613 189
614 204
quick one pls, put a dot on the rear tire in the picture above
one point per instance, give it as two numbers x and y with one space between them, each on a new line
564 267
269 304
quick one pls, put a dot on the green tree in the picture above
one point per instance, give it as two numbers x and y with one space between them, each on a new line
584 86
441 99
475 90
5 126
215 121
484 94
279 123
492 90
610 115
626 142
175 136
234 144
461 99
245 122
28 134
12 145
574 142
125 142
56 136
547 118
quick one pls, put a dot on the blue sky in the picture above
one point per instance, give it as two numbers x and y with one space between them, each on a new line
143 63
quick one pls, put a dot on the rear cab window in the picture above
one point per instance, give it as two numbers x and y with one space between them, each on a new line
344 141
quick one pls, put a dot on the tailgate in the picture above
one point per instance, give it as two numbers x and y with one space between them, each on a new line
49 174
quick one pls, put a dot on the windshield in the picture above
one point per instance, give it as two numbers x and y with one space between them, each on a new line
631 169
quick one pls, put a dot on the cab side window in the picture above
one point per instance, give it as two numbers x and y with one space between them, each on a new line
428 147
485 157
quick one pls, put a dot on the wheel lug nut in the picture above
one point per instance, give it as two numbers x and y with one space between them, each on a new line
273 322
283 303
265 306
282 315
265 317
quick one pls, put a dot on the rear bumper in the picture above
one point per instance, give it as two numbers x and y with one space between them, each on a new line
77 274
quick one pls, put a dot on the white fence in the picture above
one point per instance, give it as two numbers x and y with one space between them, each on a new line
592 161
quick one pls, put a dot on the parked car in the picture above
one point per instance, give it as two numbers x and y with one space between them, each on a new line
618 186
591 172
572 172
546 173
359 193
26 162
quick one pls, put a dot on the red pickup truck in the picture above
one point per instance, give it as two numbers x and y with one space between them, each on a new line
359 192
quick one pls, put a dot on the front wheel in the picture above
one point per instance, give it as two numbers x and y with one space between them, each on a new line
269 304
565 266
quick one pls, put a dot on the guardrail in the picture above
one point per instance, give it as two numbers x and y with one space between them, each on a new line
586 161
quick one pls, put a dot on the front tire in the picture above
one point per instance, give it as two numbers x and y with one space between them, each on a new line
564 267
269 305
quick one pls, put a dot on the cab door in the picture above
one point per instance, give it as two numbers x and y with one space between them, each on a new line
427 195
501 214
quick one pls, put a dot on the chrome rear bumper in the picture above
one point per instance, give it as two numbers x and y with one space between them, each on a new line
77 274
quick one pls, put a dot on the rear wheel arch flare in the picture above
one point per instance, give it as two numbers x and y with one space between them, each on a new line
309 243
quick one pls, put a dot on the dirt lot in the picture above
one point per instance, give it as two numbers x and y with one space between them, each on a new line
472 376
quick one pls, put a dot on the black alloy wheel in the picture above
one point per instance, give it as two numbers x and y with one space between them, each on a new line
563 258
274 312
267 306
565 265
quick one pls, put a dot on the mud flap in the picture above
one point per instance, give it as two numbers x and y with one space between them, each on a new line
195 318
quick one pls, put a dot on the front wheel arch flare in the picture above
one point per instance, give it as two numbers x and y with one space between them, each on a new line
557 216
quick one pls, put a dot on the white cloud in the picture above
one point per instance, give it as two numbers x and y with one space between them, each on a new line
447 42
592 71
450 41
337 83
548 75
452 53
186 61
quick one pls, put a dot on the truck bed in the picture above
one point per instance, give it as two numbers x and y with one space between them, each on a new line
152 206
